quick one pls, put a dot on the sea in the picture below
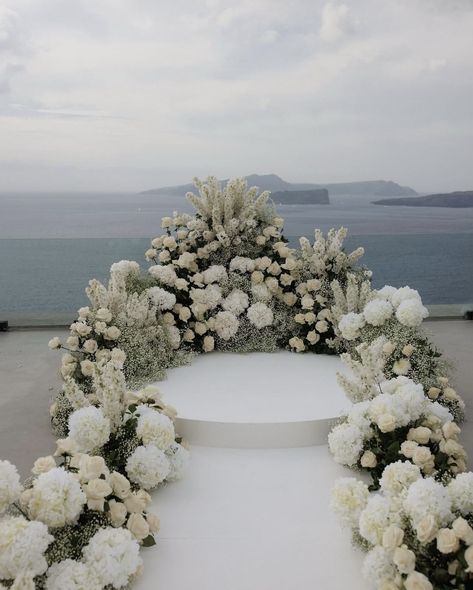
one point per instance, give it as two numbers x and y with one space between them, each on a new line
51 245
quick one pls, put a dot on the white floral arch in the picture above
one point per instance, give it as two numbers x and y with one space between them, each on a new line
226 279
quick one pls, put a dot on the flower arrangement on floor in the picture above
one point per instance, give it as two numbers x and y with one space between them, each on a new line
226 279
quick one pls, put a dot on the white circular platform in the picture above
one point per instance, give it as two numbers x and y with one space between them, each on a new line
257 400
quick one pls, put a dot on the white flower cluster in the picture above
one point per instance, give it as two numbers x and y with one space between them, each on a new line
402 403
405 305
89 428
22 547
411 516
10 487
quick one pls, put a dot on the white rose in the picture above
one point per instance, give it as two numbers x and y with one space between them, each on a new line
118 513
87 368
408 447
153 522
96 491
209 343
368 460
112 333
450 429
426 529
422 456
463 530
421 434
386 423
404 559
402 367
54 343
408 350
434 392
120 485
90 346
91 467
135 503
43 464
393 537
447 541
469 558
103 315
417 581
138 526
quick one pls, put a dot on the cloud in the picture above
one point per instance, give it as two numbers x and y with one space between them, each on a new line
335 22
228 88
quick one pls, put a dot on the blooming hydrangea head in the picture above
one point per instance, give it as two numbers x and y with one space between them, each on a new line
10 487
260 315
56 498
22 547
147 466
89 428
349 498
113 556
346 443
154 428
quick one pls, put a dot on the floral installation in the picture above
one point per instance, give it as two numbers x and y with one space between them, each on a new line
226 279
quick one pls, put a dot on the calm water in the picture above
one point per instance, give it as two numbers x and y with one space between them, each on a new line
52 245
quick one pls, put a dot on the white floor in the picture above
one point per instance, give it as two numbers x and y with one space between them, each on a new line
252 520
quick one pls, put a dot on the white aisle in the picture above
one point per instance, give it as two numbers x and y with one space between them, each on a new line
247 519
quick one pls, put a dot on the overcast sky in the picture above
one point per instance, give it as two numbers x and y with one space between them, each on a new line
131 94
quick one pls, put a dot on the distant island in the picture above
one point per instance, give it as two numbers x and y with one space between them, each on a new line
274 183
458 199
316 196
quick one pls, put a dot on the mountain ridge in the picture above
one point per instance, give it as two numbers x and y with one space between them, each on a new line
274 183
455 200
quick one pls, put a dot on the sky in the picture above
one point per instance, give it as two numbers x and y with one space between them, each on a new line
128 95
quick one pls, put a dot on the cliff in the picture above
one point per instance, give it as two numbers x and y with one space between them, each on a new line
459 199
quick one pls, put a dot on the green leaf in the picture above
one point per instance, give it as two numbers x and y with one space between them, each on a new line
148 541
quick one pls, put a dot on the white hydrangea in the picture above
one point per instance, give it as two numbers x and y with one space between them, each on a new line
242 264
71 575
377 312
124 268
215 274
350 325
236 302
261 292
155 428
178 459
403 294
398 476
385 292
260 315
161 298
56 498
89 428
174 336
10 487
378 567
349 498
113 556
428 497
346 443
22 547
226 324
147 466
411 312
164 274
460 490
380 512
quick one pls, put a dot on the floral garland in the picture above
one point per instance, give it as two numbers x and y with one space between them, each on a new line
226 279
